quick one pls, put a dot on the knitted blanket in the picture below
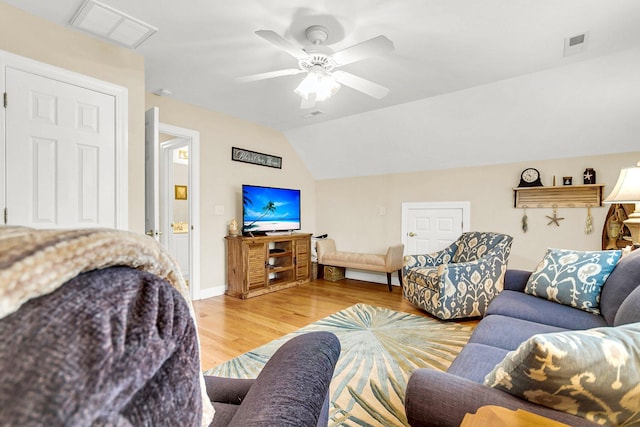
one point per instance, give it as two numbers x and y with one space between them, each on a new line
37 262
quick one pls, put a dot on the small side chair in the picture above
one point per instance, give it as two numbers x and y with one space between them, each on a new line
461 280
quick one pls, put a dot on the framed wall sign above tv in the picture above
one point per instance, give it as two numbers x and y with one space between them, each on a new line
248 156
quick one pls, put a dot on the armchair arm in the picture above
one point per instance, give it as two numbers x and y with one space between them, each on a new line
227 390
458 396
516 280
393 259
431 260
293 386
492 266
325 246
476 272
467 288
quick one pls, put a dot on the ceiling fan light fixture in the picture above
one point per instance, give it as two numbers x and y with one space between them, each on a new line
320 83
319 62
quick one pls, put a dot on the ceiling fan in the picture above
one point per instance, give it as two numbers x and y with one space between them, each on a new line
319 62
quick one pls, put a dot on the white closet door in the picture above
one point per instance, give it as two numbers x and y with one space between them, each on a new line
430 227
60 154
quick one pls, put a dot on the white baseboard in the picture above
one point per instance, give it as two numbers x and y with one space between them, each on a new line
211 292
367 276
370 276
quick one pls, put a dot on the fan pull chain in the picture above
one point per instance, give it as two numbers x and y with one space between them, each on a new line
525 218
588 229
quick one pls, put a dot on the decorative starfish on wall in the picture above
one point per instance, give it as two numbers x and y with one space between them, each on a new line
554 219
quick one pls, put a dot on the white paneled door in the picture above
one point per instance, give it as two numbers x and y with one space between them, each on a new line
60 153
430 227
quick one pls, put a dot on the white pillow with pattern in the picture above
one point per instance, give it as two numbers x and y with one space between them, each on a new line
594 373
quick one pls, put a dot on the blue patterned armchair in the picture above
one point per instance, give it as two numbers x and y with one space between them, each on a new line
461 280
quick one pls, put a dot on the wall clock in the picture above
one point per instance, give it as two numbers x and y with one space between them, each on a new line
530 177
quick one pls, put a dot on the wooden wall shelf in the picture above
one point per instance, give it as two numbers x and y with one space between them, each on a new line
565 196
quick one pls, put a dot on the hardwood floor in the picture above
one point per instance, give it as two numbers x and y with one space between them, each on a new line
230 326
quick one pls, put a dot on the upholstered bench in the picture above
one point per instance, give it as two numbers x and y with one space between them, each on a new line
383 263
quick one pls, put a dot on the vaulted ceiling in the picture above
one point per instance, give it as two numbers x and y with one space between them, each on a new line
471 82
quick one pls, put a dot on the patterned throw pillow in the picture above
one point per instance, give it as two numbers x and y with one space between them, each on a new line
594 374
573 278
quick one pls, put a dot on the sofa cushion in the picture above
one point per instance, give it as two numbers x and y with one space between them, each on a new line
475 361
573 278
507 332
594 374
622 281
527 307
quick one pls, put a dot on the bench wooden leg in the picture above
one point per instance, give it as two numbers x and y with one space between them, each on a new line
389 282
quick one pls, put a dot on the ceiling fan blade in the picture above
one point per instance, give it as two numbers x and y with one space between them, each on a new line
307 103
282 43
372 47
269 75
363 85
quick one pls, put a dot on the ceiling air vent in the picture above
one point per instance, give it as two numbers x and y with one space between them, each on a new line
108 23
576 44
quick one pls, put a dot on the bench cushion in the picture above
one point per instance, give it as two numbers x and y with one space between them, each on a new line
373 262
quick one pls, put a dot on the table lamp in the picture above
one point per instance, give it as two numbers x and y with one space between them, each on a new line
627 190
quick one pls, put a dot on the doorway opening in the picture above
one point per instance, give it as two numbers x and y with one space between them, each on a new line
179 201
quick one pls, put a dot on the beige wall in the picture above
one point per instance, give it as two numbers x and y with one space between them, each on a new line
221 178
35 38
349 209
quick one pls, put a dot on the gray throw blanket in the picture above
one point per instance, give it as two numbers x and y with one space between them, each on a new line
85 343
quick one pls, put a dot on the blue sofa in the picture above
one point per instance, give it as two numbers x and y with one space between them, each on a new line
435 398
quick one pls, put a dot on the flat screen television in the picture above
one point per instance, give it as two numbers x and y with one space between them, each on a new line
269 209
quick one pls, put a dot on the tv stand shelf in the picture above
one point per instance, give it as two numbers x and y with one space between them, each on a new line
262 264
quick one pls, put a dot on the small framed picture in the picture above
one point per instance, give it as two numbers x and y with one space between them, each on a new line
181 192
567 180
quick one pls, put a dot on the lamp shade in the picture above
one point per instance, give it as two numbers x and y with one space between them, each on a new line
627 189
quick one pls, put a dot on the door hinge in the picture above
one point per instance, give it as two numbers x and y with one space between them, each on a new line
5 100
6 216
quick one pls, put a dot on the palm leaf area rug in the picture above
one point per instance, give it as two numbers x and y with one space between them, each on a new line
380 349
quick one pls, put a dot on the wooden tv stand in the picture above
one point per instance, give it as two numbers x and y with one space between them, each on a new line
262 264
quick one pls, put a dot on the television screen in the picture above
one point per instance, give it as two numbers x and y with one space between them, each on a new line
268 209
